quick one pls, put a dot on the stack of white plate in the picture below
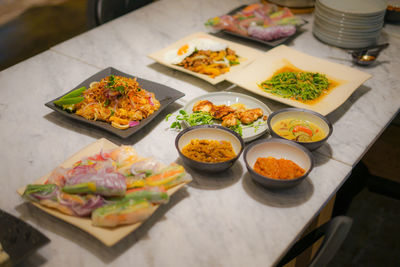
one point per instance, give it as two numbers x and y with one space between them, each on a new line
349 23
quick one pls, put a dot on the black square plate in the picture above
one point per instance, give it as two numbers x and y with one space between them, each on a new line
18 238
271 43
164 94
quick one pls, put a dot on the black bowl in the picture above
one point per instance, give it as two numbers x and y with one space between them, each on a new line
210 132
304 114
278 148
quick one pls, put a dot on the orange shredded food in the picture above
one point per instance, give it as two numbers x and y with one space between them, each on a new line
117 100
278 168
209 150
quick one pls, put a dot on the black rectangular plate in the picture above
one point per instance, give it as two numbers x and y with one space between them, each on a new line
271 43
164 94
18 238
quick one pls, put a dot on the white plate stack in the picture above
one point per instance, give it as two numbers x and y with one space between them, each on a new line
349 23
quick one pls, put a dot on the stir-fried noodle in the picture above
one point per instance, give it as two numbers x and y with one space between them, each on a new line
117 100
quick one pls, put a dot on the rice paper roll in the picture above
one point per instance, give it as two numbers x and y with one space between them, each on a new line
168 177
146 167
134 182
46 195
101 183
156 194
127 211
50 196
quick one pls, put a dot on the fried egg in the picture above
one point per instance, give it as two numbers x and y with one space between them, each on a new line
208 44
178 55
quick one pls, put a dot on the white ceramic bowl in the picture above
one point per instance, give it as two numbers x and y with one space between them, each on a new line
277 148
301 114
210 132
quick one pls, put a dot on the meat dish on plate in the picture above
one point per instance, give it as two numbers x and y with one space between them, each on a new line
230 115
242 113
204 56
234 117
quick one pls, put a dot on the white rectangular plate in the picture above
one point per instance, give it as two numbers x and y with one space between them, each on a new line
266 65
246 56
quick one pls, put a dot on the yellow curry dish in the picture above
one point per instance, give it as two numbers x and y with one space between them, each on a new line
298 130
210 151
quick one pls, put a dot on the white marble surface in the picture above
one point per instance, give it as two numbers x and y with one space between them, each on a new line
139 33
217 220
223 220
32 141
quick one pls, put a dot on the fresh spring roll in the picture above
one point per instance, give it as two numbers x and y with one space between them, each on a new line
146 167
156 194
124 157
36 192
134 182
58 176
127 211
46 195
168 177
101 183
50 196
140 170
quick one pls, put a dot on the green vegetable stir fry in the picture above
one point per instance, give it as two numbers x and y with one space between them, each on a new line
298 85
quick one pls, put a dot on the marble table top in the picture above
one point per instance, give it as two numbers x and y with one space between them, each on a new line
140 33
224 220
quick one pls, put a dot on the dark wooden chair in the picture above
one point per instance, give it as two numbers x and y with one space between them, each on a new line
334 232
102 11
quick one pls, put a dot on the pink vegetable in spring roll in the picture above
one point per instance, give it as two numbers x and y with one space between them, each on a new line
271 33
81 205
101 183
258 20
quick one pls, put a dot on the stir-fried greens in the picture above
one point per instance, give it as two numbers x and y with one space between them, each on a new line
298 85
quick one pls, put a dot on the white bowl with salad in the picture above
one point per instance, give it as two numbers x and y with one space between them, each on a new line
247 129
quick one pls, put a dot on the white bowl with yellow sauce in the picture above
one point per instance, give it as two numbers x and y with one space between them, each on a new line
302 126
